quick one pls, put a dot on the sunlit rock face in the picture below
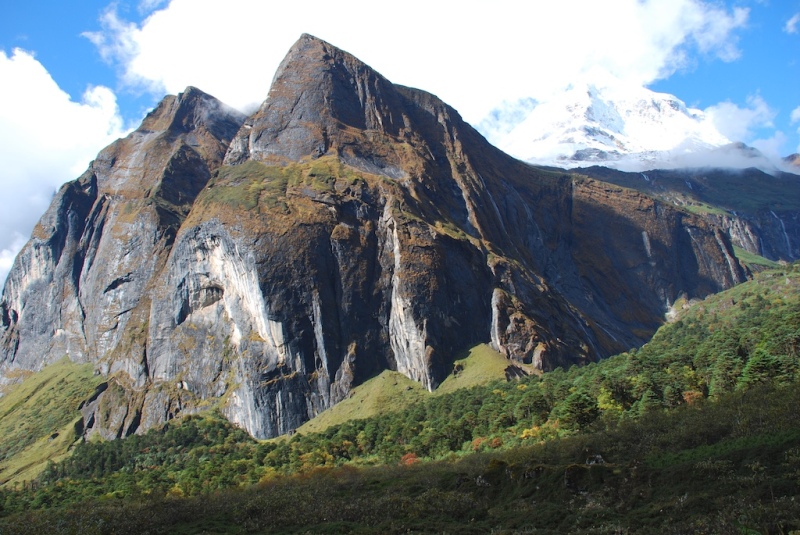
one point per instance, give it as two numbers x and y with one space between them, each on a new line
267 265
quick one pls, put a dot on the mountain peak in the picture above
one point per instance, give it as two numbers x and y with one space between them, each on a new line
397 238
191 124
319 91
190 110
310 48
621 126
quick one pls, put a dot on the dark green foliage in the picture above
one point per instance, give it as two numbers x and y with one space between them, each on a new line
698 428
721 466
578 410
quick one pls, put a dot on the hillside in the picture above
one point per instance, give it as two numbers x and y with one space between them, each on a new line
391 391
40 418
695 431
686 471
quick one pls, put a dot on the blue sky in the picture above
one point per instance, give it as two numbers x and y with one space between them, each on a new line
76 75
768 67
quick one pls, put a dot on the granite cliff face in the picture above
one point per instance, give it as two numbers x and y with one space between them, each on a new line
267 265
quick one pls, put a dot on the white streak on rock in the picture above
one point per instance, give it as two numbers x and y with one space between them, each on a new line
496 329
407 340
785 235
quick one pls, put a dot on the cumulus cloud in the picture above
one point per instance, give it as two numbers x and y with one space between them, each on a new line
474 57
8 254
772 146
45 139
741 123
795 118
791 24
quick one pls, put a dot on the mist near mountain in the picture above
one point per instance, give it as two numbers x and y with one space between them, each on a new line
605 122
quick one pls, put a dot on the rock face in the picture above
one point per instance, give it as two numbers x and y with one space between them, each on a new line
760 212
773 234
267 265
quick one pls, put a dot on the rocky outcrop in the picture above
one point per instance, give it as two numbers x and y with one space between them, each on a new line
265 266
773 234
81 286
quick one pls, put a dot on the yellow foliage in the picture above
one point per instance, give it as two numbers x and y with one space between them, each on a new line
606 402
175 492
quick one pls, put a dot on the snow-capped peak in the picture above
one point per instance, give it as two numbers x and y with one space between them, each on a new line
609 124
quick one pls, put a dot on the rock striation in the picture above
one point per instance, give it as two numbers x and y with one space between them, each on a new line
266 265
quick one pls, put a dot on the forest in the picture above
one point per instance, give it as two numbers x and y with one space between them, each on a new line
696 431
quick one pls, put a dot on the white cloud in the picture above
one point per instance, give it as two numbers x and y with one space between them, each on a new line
45 140
748 123
7 255
795 117
474 57
741 123
772 146
117 41
791 24
147 6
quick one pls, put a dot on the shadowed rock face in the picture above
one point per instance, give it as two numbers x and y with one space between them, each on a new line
759 212
267 265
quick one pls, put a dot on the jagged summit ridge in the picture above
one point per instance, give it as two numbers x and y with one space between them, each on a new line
193 110
318 92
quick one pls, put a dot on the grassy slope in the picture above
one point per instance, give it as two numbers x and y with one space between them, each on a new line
753 261
389 391
37 418
481 365
778 286
392 391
